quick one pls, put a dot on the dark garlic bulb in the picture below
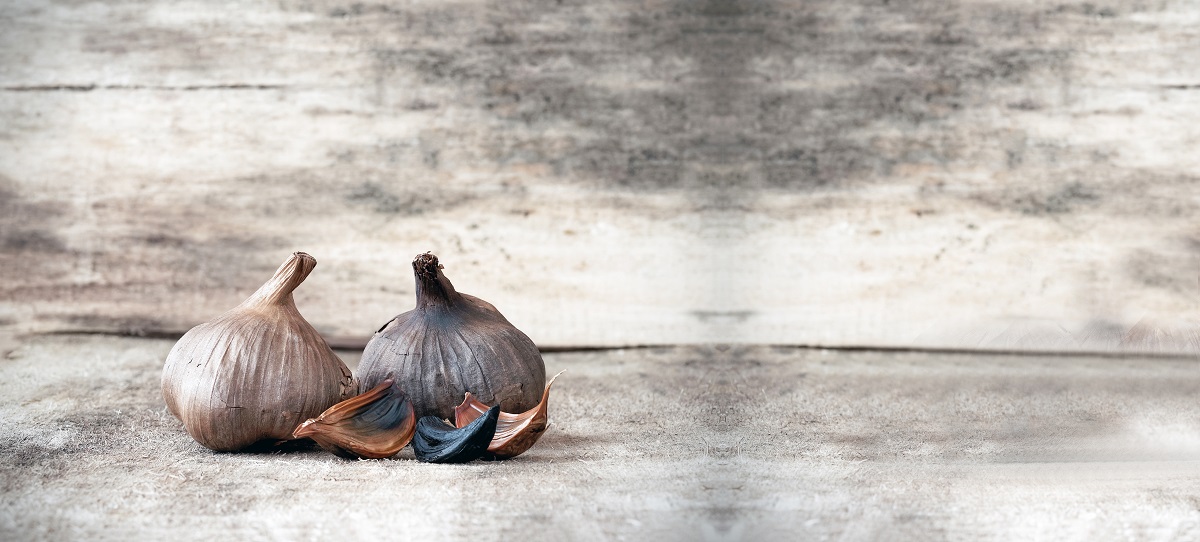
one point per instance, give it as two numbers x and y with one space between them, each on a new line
450 344
438 442
374 425
515 433
255 372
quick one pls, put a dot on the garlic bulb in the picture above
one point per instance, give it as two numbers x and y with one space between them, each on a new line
255 372
450 344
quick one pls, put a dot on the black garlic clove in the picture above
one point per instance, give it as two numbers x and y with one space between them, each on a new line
374 425
438 442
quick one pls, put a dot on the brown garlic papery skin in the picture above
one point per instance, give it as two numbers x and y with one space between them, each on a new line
257 371
450 344
515 433
374 425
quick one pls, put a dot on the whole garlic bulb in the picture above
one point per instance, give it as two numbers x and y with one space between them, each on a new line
255 372
451 344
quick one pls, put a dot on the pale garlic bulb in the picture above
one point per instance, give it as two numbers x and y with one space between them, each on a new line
256 372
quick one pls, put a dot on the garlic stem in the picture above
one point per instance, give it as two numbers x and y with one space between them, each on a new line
433 288
278 290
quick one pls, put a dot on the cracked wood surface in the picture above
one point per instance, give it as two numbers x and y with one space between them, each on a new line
609 173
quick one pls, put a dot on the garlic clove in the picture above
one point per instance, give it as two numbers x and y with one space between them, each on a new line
438 442
374 425
253 373
515 433
451 343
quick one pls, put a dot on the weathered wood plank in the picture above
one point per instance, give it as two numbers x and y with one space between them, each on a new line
612 173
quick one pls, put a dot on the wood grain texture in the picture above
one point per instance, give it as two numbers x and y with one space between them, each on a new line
608 173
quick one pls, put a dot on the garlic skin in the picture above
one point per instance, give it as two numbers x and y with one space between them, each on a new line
515 433
256 372
451 344
373 425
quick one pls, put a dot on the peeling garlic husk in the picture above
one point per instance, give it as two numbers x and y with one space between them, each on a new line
255 372
515 433
374 425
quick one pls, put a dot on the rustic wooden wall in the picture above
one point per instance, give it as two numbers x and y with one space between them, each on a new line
608 173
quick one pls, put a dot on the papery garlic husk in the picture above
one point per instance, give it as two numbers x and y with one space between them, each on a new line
257 371
450 344
373 425
515 433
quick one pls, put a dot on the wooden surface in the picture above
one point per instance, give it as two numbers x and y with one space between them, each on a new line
683 443
609 173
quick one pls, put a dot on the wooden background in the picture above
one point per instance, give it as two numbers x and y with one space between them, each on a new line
929 173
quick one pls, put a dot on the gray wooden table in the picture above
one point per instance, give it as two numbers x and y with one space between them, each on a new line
685 443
